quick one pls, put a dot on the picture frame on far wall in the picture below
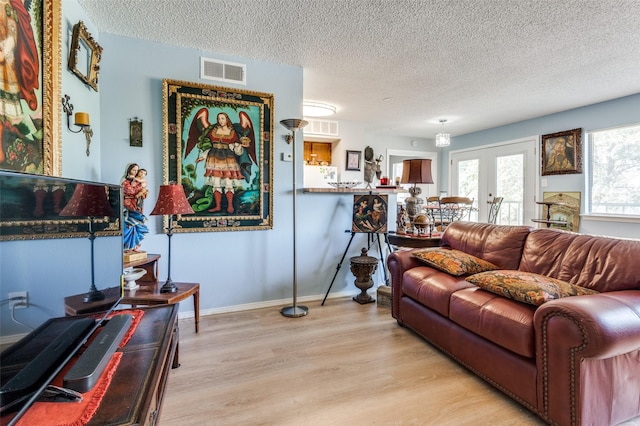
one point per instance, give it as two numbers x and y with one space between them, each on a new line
353 160
218 144
562 153
33 142
84 56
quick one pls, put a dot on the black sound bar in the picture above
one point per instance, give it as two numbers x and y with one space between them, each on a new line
23 384
87 370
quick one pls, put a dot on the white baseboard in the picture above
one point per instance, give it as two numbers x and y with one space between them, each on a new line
267 304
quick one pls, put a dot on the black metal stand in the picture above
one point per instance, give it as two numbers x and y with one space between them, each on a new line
94 294
370 239
169 286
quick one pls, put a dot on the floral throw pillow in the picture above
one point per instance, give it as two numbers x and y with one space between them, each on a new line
526 287
454 262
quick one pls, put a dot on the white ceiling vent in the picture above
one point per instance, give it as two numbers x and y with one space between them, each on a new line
321 128
215 69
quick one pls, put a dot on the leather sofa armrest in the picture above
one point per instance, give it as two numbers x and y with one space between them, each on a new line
597 326
398 262
586 348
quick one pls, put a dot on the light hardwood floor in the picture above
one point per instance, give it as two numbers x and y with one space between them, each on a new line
343 364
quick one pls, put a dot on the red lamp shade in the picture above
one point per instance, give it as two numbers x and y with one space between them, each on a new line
171 200
416 171
88 201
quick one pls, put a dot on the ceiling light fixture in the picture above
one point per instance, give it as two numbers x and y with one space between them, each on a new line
443 139
317 109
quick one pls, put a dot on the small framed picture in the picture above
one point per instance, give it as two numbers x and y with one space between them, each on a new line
562 153
353 160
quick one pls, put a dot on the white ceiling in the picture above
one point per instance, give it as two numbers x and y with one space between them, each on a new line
401 65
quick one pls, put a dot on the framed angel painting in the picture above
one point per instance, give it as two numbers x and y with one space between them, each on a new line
218 145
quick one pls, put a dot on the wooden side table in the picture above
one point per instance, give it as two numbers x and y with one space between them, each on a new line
150 295
144 295
149 264
414 241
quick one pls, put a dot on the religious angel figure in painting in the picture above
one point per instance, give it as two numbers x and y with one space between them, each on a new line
228 150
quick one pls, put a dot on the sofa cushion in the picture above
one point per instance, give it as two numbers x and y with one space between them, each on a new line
526 287
454 262
431 288
505 322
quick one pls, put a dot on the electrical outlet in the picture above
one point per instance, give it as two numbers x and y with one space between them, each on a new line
19 300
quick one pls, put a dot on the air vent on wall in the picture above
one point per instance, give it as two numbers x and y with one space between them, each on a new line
321 128
215 69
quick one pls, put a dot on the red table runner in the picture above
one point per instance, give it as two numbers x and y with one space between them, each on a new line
79 413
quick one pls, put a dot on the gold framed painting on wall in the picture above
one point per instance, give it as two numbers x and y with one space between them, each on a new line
31 117
84 56
218 146
562 153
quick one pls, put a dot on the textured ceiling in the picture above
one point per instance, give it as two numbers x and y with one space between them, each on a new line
401 65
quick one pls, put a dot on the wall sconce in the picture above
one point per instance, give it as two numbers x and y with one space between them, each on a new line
81 120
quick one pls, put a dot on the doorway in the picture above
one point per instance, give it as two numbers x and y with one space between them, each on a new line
507 170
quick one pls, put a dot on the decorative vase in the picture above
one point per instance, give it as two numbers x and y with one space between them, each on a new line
363 267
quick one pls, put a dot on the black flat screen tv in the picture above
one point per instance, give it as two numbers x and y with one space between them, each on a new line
58 238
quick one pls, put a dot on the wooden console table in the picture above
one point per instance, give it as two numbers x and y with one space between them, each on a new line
144 295
136 391
149 264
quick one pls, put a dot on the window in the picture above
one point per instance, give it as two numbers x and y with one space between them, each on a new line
614 171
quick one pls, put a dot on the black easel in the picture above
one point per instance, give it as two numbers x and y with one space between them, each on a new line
370 239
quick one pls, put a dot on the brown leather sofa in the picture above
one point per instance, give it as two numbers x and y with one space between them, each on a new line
572 361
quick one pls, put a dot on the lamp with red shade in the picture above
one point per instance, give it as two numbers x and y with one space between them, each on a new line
415 171
171 201
91 201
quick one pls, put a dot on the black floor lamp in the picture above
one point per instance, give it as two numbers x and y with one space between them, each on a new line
171 201
294 311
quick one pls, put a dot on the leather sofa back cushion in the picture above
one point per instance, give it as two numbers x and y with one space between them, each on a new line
498 244
454 262
526 287
599 263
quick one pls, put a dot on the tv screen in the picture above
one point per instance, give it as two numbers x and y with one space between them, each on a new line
58 238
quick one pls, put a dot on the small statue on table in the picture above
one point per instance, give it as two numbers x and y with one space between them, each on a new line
134 188
401 220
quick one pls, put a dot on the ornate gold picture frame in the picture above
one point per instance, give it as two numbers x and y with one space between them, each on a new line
32 141
218 143
84 56
562 153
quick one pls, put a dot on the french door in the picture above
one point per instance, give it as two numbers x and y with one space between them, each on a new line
507 170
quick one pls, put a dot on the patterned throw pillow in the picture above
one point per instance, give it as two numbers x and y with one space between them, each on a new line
526 287
454 262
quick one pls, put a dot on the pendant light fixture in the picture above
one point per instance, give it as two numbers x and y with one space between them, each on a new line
443 139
